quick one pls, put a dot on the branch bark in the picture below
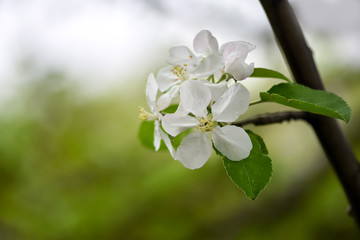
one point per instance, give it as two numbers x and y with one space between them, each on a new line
300 60
271 118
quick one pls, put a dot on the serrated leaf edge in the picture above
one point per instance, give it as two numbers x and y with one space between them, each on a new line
266 155
301 101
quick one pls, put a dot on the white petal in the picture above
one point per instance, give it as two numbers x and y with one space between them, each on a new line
166 78
180 55
239 69
205 43
233 142
167 141
176 123
151 91
233 50
208 66
165 100
216 89
234 102
194 150
195 97
157 137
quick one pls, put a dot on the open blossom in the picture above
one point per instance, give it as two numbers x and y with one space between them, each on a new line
207 100
208 60
234 55
196 148
157 105
184 64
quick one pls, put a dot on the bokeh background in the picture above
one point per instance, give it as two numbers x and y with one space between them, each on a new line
72 74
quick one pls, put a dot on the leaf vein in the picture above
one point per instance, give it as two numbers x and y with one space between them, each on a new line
248 177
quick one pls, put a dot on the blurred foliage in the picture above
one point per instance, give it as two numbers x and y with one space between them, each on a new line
71 167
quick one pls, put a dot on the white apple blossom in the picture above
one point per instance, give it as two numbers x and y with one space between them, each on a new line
234 55
157 105
208 62
207 102
196 148
184 64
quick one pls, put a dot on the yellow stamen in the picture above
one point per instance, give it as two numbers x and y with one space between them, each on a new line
146 116
143 115
205 125
180 71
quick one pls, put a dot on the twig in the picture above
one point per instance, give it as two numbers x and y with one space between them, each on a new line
299 57
270 118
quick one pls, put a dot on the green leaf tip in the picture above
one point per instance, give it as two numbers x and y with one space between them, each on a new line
268 73
304 98
253 173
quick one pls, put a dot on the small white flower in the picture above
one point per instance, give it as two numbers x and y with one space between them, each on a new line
208 60
230 58
184 64
157 105
207 46
234 55
196 148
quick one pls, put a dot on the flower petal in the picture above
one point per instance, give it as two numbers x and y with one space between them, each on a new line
208 66
216 89
160 135
195 97
180 55
167 141
151 91
205 43
233 142
239 69
157 137
237 49
194 150
234 102
178 122
166 78
165 100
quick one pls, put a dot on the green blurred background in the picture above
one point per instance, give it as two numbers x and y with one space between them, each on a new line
71 166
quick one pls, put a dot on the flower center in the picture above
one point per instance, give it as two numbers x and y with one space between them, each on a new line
206 125
180 71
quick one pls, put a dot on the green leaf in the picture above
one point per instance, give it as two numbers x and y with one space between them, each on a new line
253 173
268 73
176 141
307 99
171 108
146 135
259 140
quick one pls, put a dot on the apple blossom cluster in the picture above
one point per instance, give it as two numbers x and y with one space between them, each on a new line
205 88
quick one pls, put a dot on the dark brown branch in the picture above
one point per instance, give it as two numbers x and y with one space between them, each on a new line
270 118
299 57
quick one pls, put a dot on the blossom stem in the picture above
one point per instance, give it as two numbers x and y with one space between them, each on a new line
257 102
211 78
225 76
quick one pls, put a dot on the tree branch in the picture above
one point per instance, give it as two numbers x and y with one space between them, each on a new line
270 118
299 57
